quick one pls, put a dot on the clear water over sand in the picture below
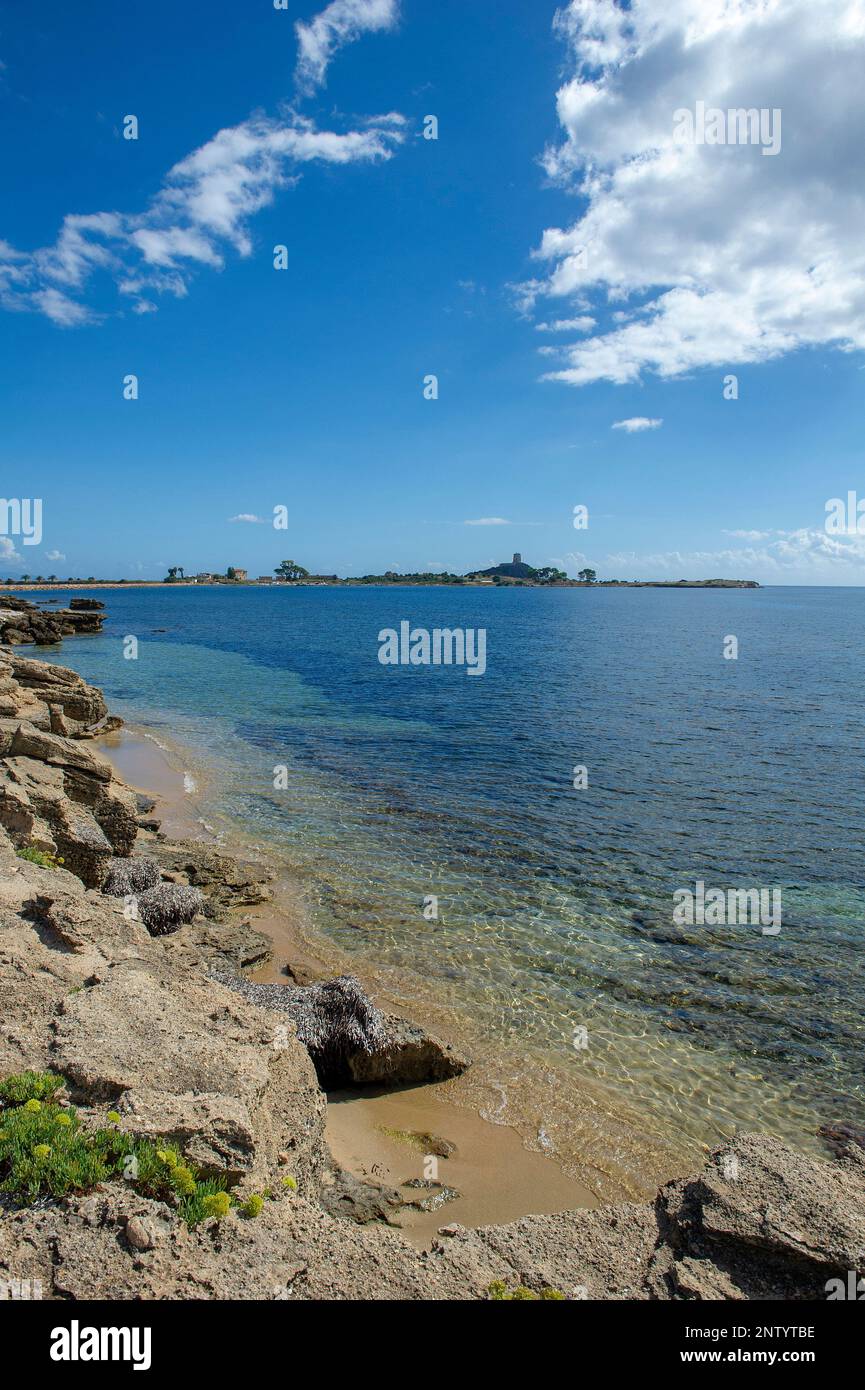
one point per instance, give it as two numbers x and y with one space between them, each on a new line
554 905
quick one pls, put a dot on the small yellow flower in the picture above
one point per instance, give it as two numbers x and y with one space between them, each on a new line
34 1106
114 1117
184 1181
42 1150
217 1205
64 1119
290 1182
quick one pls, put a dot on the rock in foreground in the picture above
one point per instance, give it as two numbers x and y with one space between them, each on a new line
349 1039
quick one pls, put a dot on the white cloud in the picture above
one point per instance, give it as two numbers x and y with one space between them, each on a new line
206 201
749 535
808 555
711 254
636 424
201 211
60 308
489 521
7 549
340 23
248 516
54 555
582 324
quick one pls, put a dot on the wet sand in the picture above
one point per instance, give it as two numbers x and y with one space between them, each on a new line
498 1178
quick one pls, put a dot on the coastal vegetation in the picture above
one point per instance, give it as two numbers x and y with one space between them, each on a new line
500 1293
40 856
512 572
46 1151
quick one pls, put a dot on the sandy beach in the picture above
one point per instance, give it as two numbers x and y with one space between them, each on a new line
368 1130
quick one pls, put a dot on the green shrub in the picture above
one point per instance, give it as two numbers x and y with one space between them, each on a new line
45 1151
500 1293
40 1156
40 857
252 1206
29 1085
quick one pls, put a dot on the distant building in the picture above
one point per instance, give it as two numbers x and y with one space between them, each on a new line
264 579
203 578
515 570
235 573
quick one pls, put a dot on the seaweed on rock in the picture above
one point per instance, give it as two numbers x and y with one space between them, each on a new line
335 1020
167 906
127 876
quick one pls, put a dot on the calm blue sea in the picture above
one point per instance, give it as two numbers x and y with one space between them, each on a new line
555 904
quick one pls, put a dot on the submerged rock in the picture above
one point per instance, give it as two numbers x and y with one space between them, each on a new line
437 1194
840 1138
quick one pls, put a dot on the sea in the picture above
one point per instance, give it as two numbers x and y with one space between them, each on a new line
528 846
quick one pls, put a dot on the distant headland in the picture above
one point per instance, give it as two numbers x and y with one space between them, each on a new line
512 573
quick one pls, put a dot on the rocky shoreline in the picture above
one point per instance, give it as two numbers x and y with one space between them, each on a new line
122 971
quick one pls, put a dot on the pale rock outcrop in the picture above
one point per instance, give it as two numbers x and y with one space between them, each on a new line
61 797
349 1039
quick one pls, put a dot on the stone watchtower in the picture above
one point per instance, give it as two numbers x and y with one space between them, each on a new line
518 559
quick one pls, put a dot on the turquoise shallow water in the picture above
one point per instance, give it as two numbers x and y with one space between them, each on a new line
555 904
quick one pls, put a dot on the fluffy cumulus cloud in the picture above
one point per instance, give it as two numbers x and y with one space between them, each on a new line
202 212
342 22
704 254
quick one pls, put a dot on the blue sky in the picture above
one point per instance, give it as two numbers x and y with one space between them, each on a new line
409 257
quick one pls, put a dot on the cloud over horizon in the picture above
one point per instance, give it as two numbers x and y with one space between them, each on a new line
809 550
